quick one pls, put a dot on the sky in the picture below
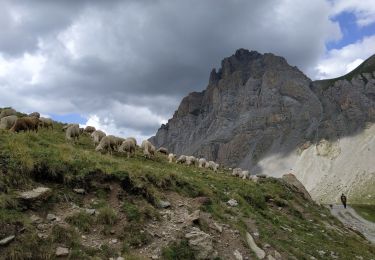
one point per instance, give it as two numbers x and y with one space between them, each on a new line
124 66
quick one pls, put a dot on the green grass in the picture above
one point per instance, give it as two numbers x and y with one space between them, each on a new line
30 159
365 211
178 251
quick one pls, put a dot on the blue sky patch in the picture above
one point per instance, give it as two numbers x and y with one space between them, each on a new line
351 32
69 118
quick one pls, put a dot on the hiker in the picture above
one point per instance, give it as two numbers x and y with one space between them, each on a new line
343 200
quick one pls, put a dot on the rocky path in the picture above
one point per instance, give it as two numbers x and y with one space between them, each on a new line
351 219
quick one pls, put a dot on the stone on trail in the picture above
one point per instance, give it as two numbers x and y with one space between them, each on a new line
232 203
7 240
79 191
201 242
237 255
35 195
164 204
254 247
62 251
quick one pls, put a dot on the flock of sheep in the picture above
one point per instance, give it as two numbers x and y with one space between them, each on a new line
10 121
108 143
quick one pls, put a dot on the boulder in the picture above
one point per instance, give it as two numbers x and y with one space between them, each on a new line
34 198
293 181
201 242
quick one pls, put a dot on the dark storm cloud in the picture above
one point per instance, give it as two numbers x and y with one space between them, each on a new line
111 57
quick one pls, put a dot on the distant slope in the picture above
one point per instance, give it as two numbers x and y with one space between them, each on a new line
257 108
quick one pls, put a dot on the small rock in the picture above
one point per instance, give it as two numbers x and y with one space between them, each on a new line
83 237
62 251
112 231
35 219
321 252
51 217
42 227
7 240
237 255
266 246
164 204
42 236
114 241
217 227
254 247
276 254
120 258
79 191
90 211
154 257
232 203
35 194
270 257
256 234
194 217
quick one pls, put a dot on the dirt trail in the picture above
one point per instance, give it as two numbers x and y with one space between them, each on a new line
351 219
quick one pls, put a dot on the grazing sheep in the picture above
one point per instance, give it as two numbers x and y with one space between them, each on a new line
163 150
8 112
190 160
25 124
35 114
236 172
202 163
97 136
7 122
67 126
119 141
132 138
128 146
72 132
213 166
108 143
244 175
181 159
171 157
45 122
254 178
90 129
148 148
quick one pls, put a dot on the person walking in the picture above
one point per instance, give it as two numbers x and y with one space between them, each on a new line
343 200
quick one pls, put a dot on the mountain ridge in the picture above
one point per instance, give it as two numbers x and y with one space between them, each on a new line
257 105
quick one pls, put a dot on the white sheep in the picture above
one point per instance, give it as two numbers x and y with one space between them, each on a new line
171 157
148 148
128 146
202 163
181 159
72 132
163 150
244 175
8 112
97 136
108 143
132 138
236 172
190 160
213 166
7 122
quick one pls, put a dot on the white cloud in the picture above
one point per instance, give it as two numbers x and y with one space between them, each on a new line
338 62
364 10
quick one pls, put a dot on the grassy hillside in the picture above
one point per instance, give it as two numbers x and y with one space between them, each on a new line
126 194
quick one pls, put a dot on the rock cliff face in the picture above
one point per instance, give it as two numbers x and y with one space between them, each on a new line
258 106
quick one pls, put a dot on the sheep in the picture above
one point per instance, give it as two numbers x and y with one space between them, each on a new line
163 150
244 175
148 148
45 122
81 130
8 112
236 172
97 136
25 124
181 159
90 129
254 178
72 132
128 146
108 143
132 138
119 141
7 122
35 114
212 165
171 157
202 162
67 126
190 160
